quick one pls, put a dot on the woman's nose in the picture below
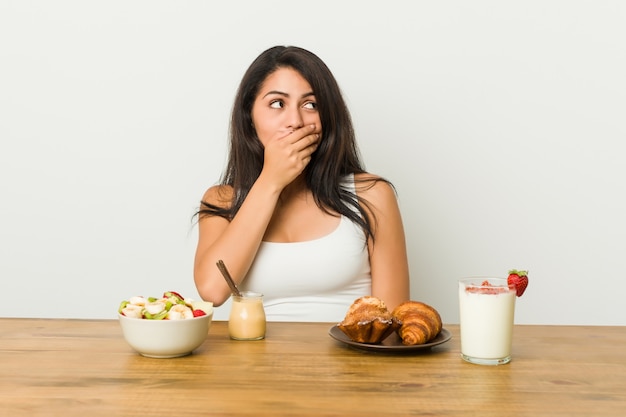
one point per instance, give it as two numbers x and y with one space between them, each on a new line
294 119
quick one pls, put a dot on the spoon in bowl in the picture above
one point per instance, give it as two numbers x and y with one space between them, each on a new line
228 278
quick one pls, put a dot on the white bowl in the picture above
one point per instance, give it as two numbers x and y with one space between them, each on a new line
165 338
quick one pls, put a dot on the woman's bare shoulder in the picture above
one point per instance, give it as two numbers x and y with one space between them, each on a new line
373 187
219 195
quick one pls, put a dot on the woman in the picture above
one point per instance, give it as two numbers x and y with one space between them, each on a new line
296 217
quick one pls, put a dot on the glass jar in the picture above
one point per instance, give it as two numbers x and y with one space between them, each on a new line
247 317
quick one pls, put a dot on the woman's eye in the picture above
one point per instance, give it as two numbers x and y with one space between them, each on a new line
277 104
310 105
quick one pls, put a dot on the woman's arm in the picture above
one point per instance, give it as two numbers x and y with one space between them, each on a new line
388 257
237 242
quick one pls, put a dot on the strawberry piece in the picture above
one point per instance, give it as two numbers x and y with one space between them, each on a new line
518 280
198 313
168 294
486 288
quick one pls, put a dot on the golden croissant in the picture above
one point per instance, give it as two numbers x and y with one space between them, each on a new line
368 321
420 322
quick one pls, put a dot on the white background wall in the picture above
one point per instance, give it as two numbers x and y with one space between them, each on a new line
500 123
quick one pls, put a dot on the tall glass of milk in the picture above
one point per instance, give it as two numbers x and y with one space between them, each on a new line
486 309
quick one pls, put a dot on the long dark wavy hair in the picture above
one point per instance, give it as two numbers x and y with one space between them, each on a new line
336 156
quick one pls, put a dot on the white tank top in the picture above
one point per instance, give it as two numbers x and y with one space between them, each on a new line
315 280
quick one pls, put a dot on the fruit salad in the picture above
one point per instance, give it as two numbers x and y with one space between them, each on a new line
171 306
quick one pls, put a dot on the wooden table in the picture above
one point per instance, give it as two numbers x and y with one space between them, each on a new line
85 368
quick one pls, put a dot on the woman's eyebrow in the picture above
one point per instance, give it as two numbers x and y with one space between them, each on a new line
281 93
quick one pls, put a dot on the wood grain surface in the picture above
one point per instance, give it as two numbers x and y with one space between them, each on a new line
54 367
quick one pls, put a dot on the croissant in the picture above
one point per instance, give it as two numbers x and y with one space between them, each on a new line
368 321
420 322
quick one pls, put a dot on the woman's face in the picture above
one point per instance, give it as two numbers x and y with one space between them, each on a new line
285 103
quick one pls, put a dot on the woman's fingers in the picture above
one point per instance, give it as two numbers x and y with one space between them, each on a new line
287 156
297 135
309 143
301 142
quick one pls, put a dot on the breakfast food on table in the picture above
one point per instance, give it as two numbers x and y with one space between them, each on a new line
171 306
487 312
519 280
421 323
368 321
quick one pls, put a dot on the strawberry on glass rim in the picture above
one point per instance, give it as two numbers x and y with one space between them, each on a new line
518 280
